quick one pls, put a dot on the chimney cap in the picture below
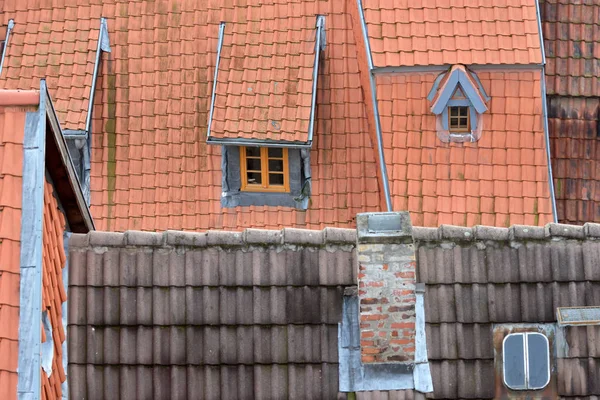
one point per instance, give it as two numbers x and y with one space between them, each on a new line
384 227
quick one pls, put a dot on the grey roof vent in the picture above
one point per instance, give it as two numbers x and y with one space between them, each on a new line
578 315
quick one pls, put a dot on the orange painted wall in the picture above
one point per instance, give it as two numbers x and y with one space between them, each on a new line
53 294
12 123
500 180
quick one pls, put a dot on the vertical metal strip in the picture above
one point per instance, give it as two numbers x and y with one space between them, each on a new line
11 25
380 151
216 75
30 292
313 101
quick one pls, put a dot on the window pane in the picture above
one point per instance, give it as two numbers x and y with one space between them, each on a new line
276 179
276 165
454 111
253 164
252 151
275 152
453 122
463 111
539 360
514 361
254 178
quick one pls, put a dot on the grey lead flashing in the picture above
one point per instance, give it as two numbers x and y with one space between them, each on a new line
445 67
422 373
11 25
261 143
547 139
65 309
539 21
319 46
103 45
382 164
354 376
216 75
30 292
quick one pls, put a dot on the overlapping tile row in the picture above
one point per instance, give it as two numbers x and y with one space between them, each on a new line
264 86
221 314
500 180
483 276
571 40
12 127
574 129
57 44
151 168
438 32
217 315
53 291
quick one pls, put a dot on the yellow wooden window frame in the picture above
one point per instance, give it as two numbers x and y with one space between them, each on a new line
463 127
264 171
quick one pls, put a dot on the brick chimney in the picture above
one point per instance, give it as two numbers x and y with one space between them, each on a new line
386 287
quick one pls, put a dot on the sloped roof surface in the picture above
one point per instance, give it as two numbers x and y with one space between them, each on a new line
151 168
574 129
261 316
572 39
499 180
438 32
264 86
56 43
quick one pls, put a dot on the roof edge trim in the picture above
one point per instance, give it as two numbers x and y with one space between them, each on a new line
11 25
541 32
319 45
547 140
61 144
459 76
445 67
213 96
256 142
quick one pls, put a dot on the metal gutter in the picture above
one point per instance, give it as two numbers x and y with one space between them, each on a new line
382 164
216 75
318 47
32 216
545 116
11 25
262 143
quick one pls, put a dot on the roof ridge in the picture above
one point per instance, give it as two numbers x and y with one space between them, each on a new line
247 237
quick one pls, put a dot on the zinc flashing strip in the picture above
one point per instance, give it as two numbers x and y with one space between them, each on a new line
255 142
382 164
30 292
319 44
547 139
103 45
539 21
11 25
216 75
442 68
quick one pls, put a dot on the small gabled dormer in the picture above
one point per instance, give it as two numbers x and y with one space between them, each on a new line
459 101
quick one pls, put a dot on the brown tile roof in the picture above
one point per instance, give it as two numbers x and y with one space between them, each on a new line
438 32
138 300
572 39
574 129
264 86
499 180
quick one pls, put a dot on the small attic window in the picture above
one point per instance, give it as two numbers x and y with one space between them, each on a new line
458 119
264 169
526 361
458 102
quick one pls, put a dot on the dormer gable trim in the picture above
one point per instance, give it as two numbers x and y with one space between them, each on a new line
457 77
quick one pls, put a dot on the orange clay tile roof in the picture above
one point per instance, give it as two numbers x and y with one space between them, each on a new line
499 180
439 32
265 79
572 43
58 44
12 125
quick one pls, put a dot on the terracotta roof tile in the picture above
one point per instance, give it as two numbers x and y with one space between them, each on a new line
571 40
485 182
444 32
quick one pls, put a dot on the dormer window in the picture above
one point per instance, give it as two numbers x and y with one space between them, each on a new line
458 101
264 169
